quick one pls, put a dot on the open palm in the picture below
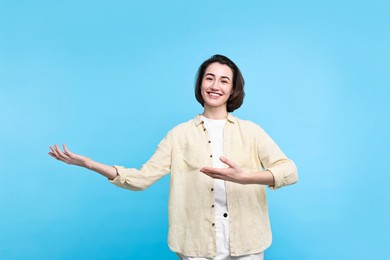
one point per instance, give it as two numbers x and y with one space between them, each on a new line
67 156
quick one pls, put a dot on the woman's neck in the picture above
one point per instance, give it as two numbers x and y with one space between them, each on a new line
215 113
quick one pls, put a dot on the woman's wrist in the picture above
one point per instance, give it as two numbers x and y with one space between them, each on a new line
264 178
88 163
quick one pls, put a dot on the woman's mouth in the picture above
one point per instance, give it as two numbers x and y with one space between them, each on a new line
214 95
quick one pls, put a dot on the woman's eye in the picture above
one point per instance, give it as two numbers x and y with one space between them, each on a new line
209 78
224 82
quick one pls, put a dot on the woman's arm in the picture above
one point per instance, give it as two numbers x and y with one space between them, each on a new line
274 160
68 157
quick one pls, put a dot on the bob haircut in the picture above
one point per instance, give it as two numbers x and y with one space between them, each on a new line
237 97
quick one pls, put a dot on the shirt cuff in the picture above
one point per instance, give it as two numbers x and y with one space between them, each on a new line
284 174
120 179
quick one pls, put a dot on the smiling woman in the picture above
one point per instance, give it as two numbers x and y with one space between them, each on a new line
216 87
229 77
213 214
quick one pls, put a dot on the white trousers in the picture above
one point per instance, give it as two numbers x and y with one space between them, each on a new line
223 252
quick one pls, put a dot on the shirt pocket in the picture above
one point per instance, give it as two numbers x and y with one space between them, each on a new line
191 156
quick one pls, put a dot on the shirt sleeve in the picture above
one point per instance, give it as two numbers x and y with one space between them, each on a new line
274 160
155 168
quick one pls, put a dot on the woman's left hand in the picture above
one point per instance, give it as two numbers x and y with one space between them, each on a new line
233 173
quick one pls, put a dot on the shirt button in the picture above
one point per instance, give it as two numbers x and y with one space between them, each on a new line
209 141
213 207
211 155
212 189
204 129
213 224
225 215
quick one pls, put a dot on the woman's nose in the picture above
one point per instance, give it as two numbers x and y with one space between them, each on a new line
215 85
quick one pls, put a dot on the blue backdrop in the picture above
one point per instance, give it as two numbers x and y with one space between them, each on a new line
110 78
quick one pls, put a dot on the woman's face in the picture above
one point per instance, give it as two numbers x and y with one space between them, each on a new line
217 85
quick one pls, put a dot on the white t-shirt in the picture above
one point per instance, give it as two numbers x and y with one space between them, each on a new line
215 130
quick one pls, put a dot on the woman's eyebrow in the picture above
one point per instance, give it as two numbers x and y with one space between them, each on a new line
211 74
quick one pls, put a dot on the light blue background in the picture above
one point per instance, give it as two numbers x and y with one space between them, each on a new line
110 78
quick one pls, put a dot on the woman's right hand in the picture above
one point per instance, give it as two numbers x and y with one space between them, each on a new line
67 156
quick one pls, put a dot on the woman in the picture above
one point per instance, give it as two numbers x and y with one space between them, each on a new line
225 216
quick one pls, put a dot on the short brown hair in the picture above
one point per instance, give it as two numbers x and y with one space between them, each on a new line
237 97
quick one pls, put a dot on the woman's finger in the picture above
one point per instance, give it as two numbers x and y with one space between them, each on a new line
54 151
216 173
56 154
227 162
66 150
53 155
216 176
222 171
212 175
61 154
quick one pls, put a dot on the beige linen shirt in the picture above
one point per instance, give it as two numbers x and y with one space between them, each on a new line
183 152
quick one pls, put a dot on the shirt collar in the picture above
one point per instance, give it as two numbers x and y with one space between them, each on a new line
230 118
